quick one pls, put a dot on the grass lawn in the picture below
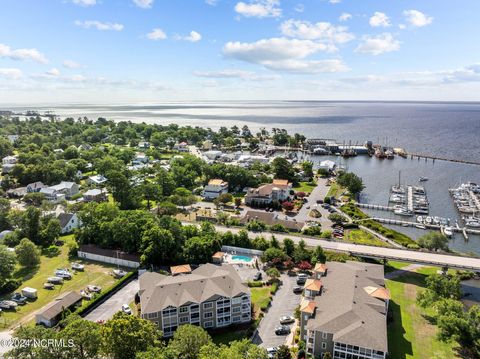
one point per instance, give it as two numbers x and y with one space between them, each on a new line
361 237
410 334
95 273
261 297
335 190
304 187
393 266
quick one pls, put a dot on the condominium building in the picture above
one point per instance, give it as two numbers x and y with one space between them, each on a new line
344 311
211 296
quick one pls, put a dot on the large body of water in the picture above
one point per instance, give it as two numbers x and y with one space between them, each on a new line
450 130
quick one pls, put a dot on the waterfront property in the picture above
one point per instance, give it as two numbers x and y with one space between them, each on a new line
215 188
211 296
344 311
277 191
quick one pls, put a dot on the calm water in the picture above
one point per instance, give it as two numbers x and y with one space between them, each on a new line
449 130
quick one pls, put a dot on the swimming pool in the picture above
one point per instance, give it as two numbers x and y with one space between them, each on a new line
239 258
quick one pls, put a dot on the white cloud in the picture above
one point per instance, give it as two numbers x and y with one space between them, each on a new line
193 37
11 73
299 8
402 26
334 1
379 19
102 26
345 16
376 45
22 54
282 54
323 31
144 4
85 2
259 8
234 73
53 72
70 64
157 34
211 2
417 18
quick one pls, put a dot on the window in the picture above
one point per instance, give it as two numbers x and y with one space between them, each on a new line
236 300
194 308
208 324
236 319
207 315
207 305
324 345
236 309
184 320
183 310
195 316
169 311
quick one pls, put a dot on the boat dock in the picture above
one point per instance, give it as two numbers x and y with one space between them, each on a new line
433 158
410 198
374 206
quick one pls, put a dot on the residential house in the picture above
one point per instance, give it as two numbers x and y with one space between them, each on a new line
277 191
18 192
181 147
212 155
52 195
68 222
8 163
13 138
327 165
214 189
95 195
97 180
143 145
69 189
344 311
85 147
111 256
52 313
211 296
270 218
35 187
140 159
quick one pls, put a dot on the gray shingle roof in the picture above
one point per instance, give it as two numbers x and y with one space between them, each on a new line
208 281
347 311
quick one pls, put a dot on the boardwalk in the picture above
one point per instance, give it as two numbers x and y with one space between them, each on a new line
405 255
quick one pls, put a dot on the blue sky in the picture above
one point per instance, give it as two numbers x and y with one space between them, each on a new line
108 51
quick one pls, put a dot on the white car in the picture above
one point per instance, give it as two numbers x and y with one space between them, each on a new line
272 351
126 309
287 319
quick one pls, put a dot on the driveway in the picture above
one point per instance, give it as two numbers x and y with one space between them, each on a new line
107 309
284 303
318 193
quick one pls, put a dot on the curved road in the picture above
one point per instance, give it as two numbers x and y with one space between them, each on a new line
442 260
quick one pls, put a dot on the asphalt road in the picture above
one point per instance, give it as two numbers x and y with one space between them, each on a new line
318 193
107 309
284 303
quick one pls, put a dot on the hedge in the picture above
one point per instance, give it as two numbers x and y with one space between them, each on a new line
88 306
255 284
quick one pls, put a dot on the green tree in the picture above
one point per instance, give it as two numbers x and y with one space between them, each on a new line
150 192
188 340
274 255
318 255
122 189
273 274
34 198
282 169
124 335
27 253
7 264
288 246
433 241
224 198
4 211
283 352
183 197
307 168
49 231
200 249
158 246
85 335
239 349
301 253
351 181
439 287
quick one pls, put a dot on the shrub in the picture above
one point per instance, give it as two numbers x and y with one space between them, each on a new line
278 227
255 284
9 286
326 234
313 231
51 251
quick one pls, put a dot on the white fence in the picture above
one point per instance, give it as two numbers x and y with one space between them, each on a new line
111 260
240 250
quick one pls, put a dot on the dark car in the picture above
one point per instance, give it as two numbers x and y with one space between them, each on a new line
319 201
257 276
282 330
301 280
297 290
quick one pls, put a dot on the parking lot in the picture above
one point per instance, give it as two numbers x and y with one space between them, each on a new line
284 303
107 309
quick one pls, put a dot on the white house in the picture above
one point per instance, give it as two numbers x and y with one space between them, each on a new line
69 189
215 188
52 195
11 160
327 165
97 180
140 158
68 222
35 187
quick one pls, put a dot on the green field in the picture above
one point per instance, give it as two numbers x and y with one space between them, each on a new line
335 190
359 236
410 334
95 273
261 297
304 187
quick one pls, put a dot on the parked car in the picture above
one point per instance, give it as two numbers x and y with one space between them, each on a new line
301 281
297 290
8 304
119 273
272 351
94 288
287 319
79 267
19 298
319 201
55 280
63 273
326 205
257 276
126 309
48 285
282 330
86 295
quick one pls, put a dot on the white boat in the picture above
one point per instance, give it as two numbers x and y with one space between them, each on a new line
473 224
420 219
428 220
436 220
448 231
423 179
420 226
402 212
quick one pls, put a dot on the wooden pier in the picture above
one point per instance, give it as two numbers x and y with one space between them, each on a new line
433 158
375 206
465 231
